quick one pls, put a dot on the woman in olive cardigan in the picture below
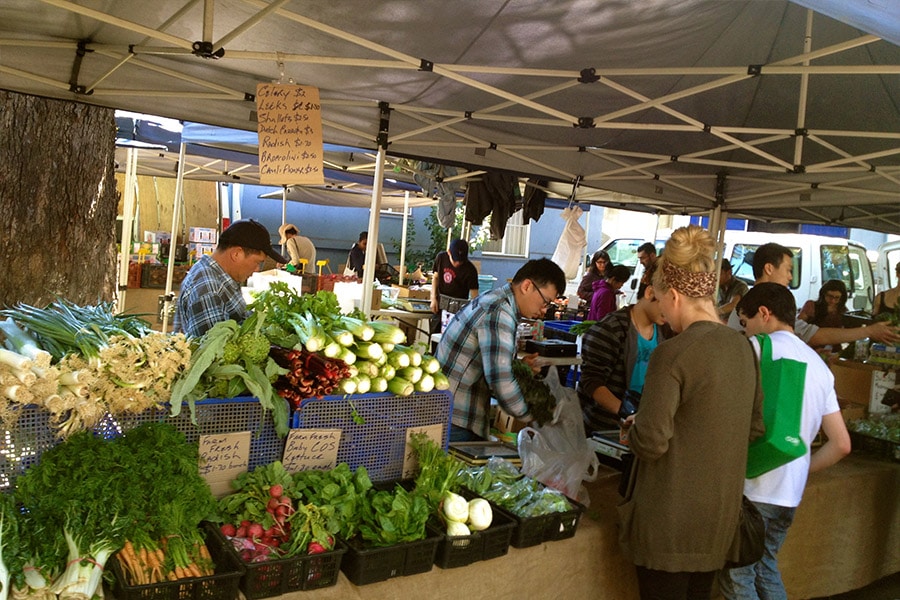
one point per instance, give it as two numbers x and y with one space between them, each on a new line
702 404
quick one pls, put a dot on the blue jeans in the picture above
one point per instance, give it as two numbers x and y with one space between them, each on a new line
761 580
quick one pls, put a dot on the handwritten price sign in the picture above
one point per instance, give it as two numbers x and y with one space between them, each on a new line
289 123
311 449
222 458
410 462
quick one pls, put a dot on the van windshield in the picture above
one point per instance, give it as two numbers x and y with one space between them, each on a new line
742 263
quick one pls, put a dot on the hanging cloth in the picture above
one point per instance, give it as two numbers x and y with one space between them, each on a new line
534 199
494 194
572 243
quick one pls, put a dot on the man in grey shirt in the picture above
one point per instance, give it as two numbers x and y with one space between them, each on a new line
773 263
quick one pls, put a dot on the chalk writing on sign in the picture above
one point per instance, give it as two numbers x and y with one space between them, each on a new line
289 124
311 449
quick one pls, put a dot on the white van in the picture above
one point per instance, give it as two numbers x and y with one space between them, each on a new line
886 266
816 260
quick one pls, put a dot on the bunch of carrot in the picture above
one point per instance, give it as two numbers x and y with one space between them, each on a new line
149 563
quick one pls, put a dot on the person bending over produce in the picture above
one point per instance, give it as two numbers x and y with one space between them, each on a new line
211 291
299 247
615 353
701 406
478 347
770 308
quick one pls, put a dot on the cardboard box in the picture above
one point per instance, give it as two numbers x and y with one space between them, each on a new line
202 235
505 423
853 381
413 293
197 250
134 275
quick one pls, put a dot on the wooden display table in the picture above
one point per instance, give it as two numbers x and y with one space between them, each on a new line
845 536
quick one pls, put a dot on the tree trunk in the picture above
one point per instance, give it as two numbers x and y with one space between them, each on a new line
58 202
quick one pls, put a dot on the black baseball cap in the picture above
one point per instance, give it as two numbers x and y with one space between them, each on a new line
459 250
249 233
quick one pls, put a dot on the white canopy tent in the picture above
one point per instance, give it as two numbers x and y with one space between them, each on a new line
777 110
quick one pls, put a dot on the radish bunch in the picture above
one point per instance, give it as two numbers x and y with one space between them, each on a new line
264 523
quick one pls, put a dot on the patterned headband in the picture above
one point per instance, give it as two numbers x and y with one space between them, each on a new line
694 285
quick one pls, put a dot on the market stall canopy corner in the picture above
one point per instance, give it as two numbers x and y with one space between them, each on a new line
764 110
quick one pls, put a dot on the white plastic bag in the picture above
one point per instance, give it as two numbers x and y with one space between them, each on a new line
571 244
557 454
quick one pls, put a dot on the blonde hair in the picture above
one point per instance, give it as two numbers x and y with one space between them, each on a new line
691 249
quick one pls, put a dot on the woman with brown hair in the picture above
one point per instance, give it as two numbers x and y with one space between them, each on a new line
701 406
596 272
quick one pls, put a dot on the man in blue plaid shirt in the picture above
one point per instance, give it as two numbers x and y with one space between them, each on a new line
211 291
479 344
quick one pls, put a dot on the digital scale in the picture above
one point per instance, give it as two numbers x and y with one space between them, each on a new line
478 453
423 306
608 448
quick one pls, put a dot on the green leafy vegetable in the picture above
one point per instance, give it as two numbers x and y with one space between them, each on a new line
541 403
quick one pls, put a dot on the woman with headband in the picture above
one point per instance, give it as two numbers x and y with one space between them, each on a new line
701 405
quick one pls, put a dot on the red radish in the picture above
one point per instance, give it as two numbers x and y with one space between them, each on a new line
228 530
255 531
272 504
276 491
315 548
246 523
241 532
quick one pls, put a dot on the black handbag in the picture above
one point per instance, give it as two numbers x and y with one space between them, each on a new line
750 540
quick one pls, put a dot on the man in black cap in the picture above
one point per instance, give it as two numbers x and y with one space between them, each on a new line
454 276
211 292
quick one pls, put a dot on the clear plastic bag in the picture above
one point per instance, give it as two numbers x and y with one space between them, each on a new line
557 454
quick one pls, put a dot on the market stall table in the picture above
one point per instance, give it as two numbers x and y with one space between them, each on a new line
846 535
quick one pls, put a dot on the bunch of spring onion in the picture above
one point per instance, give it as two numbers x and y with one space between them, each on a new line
26 373
64 328
122 374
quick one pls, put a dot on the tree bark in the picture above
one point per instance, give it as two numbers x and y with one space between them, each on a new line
58 201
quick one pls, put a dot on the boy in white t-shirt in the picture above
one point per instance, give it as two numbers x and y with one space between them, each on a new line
770 308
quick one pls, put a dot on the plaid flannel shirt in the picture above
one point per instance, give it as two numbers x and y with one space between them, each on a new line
208 296
476 353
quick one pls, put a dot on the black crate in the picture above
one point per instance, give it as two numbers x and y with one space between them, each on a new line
531 531
459 551
222 585
364 565
451 305
280 576
876 446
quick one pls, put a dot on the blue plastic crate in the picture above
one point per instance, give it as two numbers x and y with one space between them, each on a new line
373 426
32 434
559 330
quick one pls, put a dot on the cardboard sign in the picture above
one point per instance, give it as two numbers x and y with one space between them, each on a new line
410 463
289 124
222 458
311 449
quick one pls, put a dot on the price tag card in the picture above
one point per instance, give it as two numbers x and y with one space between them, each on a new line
222 458
311 449
410 463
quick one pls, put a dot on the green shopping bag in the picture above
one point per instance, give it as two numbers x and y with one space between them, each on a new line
783 381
